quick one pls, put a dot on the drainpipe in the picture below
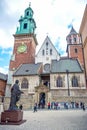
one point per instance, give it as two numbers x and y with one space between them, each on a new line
67 71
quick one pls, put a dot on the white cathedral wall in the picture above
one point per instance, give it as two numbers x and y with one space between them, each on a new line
47 57
53 79
80 77
33 81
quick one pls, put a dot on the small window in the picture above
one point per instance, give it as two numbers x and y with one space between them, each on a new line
76 50
59 82
24 84
27 13
27 70
43 52
70 41
74 39
50 51
74 81
25 25
46 52
46 43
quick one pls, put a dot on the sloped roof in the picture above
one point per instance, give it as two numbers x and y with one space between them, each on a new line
72 32
72 65
3 76
48 39
27 69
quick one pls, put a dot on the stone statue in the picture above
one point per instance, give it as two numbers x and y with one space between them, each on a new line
15 96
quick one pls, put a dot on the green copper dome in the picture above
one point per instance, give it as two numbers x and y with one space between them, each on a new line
27 23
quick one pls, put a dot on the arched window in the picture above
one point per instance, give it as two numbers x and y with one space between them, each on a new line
74 81
25 26
43 52
70 41
76 50
50 51
46 44
59 82
27 13
24 83
74 39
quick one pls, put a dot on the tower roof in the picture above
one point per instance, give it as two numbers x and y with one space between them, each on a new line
72 32
27 22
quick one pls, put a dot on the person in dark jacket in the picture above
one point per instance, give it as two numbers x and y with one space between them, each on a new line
35 107
21 107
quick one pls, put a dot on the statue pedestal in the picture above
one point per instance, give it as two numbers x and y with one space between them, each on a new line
1 108
12 117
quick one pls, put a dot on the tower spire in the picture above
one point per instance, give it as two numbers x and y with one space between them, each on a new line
29 4
27 22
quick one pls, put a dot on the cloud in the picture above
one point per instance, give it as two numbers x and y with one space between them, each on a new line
4 69
8 19
51 16
61 48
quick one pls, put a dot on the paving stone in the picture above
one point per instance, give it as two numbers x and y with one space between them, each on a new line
51 120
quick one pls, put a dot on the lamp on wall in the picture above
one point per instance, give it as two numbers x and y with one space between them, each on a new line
67 71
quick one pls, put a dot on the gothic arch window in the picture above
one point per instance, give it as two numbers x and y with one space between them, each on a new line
74 39
46 44
27 13
24 84
25 25
59 82
74 81
76 50
50 51
43 52
70 41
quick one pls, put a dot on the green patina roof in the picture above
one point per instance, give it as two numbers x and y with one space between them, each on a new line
28 69
72 65
27 22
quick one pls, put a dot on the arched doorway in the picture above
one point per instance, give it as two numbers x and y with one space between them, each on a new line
42 97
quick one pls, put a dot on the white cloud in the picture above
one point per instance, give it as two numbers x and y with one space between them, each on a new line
6 39
4 70
52 17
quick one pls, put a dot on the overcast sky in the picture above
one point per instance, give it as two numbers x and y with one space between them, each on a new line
52 17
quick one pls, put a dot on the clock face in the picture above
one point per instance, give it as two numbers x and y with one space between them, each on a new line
22 48
47 67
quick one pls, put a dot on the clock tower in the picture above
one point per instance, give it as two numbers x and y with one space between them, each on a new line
24 41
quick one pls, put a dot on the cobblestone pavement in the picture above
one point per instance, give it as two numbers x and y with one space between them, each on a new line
51 120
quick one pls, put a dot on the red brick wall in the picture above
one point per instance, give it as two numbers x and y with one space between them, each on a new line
26 57
2 87
78 55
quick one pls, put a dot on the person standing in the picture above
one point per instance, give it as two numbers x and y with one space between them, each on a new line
48 105
83 107
35 107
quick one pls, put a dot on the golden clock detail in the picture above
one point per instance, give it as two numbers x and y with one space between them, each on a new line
22 48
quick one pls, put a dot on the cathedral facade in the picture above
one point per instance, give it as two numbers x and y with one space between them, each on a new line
46 76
